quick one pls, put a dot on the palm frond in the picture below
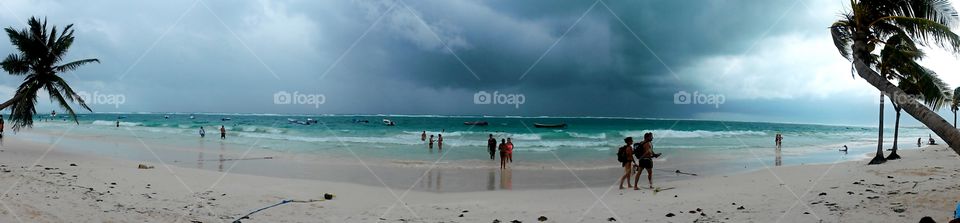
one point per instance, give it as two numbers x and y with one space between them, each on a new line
842 38
15 65
74 65
928 32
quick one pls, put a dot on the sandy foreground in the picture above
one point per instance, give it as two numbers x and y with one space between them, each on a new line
42 184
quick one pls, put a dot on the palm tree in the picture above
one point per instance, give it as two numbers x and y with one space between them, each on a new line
870 22
898 60
878 159
40 53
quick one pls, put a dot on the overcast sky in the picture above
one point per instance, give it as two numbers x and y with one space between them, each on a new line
769 60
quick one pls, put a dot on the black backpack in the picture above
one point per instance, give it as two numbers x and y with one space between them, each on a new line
622 154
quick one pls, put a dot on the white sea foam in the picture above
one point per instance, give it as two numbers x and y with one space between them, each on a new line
114 123
587 135
666 133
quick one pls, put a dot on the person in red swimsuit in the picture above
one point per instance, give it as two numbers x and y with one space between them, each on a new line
509 150
503 153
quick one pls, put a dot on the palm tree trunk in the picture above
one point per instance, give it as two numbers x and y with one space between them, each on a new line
896 134
937 124
878 159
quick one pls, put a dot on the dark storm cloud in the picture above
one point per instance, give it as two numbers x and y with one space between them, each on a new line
230 56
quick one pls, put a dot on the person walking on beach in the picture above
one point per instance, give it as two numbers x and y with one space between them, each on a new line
223 132
645 160
423 136
491 146
202 132
625 157
509 150
503 153
431 142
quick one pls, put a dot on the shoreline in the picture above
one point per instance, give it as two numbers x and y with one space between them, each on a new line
56 191
443 175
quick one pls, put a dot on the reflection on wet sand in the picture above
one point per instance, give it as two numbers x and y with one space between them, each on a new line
779 160
433 182
492 180
506 179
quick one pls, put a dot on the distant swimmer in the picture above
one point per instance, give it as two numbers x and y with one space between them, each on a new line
491 146
223 132
423 136
202 132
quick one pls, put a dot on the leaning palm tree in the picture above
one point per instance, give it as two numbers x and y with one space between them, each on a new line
898 60
38 60
870 22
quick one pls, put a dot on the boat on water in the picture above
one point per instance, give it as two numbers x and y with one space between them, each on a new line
388 122
311 121
477 123
551 125
192 117
166 117
291 121
225 119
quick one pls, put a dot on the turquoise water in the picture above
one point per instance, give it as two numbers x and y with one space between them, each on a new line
585 142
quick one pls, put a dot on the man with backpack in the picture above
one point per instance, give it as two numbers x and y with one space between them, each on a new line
625 157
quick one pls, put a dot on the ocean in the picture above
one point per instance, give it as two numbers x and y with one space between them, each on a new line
584 140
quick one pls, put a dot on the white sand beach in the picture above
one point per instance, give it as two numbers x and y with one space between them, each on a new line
45 186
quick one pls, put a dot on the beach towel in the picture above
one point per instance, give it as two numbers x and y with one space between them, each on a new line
956 213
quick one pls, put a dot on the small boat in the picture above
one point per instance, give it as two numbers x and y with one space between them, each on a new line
477 123
388 122
310 120
225 119
291 121
557 125
191 117
166 117
303 123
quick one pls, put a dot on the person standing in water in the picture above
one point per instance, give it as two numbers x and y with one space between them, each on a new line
431 142
645 160
503 153
509 150
440 141
491 146
118 123
625 157
423 136
223 132
202 132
